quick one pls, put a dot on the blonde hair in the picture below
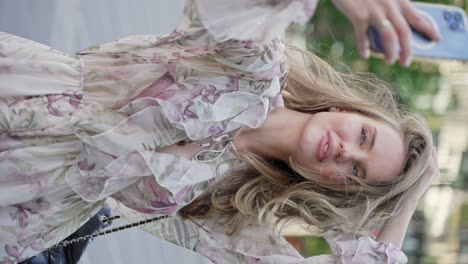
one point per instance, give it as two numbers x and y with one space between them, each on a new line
269 191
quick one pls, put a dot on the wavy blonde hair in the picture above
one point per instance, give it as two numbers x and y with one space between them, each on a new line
274 192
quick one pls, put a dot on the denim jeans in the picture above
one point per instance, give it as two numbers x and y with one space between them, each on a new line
72 253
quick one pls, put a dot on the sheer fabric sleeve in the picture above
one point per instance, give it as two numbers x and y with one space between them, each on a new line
257 244
245 35
251 245
245 20
363 249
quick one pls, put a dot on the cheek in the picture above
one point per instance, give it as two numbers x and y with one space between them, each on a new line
305 155
332 173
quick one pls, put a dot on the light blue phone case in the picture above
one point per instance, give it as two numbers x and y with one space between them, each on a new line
452 22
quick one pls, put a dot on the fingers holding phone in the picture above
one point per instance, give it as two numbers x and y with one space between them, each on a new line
390 35
437 31
413 20
419 21
394 20
373 13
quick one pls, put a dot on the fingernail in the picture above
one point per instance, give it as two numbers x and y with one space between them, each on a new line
366 53
395 56
407 62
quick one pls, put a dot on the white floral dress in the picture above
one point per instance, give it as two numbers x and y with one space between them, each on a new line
75 131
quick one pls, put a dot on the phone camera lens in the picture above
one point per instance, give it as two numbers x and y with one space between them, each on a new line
457 16
447 15
454 26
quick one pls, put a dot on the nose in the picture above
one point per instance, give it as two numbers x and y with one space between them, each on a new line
341 153
347 152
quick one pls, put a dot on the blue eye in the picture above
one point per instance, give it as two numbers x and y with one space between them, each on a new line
354 172
363 136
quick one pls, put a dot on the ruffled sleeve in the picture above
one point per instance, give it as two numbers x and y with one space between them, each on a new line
251 245
363 249
246 20
257 244
245 70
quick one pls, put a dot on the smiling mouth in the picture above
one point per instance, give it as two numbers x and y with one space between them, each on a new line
324 145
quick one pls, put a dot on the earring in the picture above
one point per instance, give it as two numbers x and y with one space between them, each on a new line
332 109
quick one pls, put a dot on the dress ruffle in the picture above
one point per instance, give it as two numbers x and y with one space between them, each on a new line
23 63
230 111
365 249
259 21
123 144
124 154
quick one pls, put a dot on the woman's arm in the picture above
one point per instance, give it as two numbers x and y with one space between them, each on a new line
247 20
394 230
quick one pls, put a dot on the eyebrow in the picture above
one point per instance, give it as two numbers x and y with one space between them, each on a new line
374 135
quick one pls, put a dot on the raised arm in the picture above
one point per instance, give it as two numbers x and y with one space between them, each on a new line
252 245
394 230
245 20
257 244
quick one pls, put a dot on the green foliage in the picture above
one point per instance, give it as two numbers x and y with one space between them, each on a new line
314 246
464 216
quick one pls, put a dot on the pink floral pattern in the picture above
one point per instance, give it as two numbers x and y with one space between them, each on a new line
85 129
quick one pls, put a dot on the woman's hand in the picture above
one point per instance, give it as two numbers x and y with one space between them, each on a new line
393 19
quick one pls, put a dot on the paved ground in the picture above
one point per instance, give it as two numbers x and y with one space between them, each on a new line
70 26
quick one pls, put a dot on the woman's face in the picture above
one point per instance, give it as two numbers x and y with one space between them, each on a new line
337 143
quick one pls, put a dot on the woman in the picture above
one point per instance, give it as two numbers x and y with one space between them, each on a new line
217 126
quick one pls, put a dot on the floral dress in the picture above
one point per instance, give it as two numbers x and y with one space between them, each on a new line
78 131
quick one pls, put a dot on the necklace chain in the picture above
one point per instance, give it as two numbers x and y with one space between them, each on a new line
65 243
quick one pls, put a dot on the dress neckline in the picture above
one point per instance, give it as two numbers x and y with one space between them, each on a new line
215 147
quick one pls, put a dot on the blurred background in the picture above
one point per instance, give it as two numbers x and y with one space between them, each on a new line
438 89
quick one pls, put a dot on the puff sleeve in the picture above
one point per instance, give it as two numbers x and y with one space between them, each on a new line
257 244
363 249
245 20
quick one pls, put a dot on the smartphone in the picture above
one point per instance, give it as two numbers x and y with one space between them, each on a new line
452 23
